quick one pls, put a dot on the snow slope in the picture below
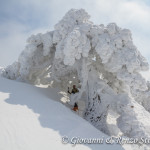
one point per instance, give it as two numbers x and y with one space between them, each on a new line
31 119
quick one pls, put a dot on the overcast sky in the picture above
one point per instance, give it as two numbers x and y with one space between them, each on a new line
21 18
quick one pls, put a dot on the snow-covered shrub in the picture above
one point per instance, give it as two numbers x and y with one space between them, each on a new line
102 60
11 71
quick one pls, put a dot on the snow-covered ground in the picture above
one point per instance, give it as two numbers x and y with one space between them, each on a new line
32 119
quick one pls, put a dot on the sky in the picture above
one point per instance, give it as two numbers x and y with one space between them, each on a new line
21 18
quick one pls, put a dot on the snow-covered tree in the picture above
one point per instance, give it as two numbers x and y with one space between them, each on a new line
101 60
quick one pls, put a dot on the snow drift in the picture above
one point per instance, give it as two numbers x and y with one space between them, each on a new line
32 119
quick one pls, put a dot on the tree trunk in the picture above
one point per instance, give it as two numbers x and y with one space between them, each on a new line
96 110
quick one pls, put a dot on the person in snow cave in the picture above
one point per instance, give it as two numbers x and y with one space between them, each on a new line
74 91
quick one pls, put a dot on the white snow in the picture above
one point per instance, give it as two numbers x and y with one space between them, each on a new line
102 61
31 119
